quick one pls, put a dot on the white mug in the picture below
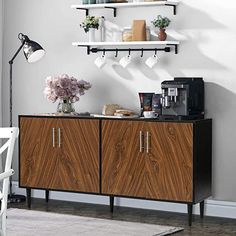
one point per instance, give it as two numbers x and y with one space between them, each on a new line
150 114
125 61
151 61
100 61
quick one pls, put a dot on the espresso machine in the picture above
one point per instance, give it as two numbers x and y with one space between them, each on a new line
182 98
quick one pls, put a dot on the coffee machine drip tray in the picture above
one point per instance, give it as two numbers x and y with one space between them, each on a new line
189 117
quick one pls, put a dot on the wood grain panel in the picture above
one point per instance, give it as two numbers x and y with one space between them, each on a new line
74 166
169 165
38 158
79 155
122 162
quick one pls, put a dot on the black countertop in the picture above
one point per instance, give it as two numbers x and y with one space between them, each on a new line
52 115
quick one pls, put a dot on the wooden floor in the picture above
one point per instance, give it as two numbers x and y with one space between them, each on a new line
209 226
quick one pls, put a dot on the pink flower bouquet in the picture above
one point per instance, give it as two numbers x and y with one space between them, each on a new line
65 87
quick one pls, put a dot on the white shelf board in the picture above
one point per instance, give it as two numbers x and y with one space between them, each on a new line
122 5
142 43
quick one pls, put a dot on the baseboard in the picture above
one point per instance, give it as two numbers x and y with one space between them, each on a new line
213 207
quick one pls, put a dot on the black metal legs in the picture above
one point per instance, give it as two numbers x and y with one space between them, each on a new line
190 213
112 198
28 193
202 209
111 204
47 195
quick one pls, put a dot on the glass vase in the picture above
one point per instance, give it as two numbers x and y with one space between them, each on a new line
65 106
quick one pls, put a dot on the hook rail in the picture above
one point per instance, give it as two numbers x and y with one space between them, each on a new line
96 50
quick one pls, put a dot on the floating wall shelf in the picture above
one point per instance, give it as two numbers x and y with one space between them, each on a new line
114 6
95 47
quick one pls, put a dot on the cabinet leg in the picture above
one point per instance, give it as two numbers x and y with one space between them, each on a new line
28 193
202 209
190 213
111 204
47 195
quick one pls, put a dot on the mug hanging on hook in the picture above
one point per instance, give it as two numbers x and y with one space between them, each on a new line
101 61
152 61
126 60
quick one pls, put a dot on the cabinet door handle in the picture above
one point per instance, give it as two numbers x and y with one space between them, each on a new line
59 137
53 137
148 142
141 147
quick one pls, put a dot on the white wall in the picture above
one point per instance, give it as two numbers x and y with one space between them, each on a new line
1 44
207 32
1 39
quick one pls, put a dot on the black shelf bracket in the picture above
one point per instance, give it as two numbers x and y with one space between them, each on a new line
114 10
87 10
176 47
174 7
84 9
87 46
88 50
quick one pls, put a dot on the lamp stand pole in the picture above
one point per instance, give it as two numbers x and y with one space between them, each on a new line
11 64
14 198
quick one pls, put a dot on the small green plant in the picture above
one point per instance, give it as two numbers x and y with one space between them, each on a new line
161 22
90 22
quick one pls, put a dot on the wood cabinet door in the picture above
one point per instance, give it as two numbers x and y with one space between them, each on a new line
169 163
122 162
78 165
38 157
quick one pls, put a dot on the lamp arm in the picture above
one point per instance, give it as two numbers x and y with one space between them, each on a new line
17 52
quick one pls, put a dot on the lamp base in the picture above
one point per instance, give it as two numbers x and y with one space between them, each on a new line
16 198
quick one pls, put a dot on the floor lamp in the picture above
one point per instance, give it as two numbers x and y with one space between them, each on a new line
33 52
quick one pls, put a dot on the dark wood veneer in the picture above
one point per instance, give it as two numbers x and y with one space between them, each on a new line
122 162
79 162
165 172
169 164
73 166
36 168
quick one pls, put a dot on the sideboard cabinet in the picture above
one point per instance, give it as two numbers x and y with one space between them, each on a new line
145 159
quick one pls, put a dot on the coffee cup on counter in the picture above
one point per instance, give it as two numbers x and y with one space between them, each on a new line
150 114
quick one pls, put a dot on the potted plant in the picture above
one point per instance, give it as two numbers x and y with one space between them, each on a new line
89 25
162 23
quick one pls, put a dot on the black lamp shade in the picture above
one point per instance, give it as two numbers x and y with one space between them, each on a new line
33 51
